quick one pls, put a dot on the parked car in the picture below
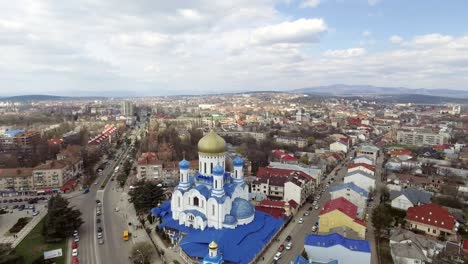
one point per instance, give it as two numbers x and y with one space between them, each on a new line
5 200
35 213
74 245
75 252
316 207
288 238
301 220
75 233
306 213
314 229
99 229
278 255
101 241
76 239
20 200
281 248
289 246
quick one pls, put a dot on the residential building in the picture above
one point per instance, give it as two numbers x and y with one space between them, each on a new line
7 138
149 167
52 175
299 142
28 138
368 150
338 146
432 219
362 179
363 159
127 108
370 169
352 193
421 138
407 247
334 248
409 197
312 171
16 180
341 213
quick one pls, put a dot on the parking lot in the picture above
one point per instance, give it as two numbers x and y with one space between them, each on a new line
15 211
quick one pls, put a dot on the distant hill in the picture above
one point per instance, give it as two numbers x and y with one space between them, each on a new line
41 97
368 90
411 98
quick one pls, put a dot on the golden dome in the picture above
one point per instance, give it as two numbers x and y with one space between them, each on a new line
213 245
212 143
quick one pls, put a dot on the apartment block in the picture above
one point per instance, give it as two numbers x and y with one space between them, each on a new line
420 138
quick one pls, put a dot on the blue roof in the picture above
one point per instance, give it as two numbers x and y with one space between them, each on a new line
352 186
209 260
361 172
337 239
300 260
196 213
162 210
203 190
238 162
248 239
242 208
184 164
229 188
13 132
218 170
230 220
330 262
220 200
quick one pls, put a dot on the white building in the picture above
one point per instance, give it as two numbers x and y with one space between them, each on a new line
360 178
212 197
338 146
421 138
364 159
352 193
335 247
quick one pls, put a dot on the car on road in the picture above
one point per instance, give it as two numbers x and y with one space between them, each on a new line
101 241
5 200
289 246
75 252
98 201
316 207
75 260
117 209
74 245
314 229
98 212
76 239
99 229
278 255
281 248
99 235
288 238
306 213
35 213
301 220
15 206
98 220
75 233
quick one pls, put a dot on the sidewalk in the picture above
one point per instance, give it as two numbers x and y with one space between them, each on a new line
25 231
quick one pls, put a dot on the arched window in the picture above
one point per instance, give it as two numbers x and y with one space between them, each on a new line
195 201
216 184
213 210
235 174
211 166
202 204
178 201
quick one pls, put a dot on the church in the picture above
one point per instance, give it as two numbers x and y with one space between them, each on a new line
212 197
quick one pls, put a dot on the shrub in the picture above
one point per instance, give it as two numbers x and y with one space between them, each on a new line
19 224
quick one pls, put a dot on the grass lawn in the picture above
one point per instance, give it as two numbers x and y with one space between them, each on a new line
33 246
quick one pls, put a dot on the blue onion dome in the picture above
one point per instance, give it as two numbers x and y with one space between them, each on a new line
230 220
218 170
242 209
238 162
184 164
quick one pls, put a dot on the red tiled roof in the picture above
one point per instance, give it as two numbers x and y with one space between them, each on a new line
365 165
343 205
275 212
293 204
442 146
269 171
431 214
399 152
149 158
271 203
288 157
465 245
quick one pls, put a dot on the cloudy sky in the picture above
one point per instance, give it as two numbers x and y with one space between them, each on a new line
158 47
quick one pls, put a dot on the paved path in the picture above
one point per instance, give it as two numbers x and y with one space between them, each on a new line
14 241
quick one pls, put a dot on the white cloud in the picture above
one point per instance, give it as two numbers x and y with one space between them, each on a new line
395 39
345 53
431 39
373 2
366 33
298 31
190 14
310 3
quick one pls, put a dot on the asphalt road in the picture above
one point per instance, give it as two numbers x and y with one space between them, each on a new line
88 252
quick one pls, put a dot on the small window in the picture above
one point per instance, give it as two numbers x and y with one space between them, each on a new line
213 210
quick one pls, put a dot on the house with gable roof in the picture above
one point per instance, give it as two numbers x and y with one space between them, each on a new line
370 169
409 197
363 159
339 146
352 193
334 248
362 179
432 219
409 247
340 213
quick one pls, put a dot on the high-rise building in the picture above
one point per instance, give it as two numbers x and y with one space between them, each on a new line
128 108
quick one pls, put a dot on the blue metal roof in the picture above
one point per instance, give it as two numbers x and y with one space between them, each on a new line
352 186
203 190
209 260
230 220
220 200
242 208
300 260
13 132
218 170
184 164
196 213
229 188
337 239
238 162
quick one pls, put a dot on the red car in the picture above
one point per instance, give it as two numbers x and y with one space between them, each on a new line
281 248
74 245
75 260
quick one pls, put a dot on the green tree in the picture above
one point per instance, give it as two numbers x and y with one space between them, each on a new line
146 196
142 252
304 160
61 219
310 140
381 218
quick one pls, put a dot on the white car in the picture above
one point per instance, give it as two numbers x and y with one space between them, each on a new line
77 239
316 207
289 246
301 220
35 213
314 229
278 255
99 235
75 252
117 209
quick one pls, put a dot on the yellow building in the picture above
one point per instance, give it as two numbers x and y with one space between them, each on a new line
340 213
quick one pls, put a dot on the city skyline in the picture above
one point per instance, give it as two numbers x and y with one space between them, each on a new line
144 49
